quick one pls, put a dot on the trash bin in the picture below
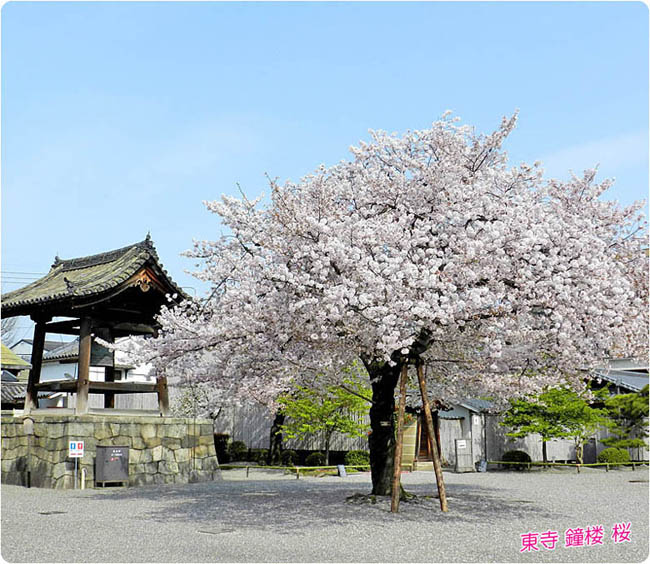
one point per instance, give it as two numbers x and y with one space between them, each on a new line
111 464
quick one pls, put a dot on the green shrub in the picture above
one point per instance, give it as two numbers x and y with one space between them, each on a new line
289 457
315 459
515 456
357 458
613 454
238 450
258 455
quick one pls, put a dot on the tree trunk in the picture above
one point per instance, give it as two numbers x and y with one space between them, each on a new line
397 464
579 445
381 440
328 439
544 455
274 457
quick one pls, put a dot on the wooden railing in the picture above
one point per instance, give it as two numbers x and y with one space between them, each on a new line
577 466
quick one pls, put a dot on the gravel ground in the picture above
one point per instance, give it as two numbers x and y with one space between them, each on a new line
270 517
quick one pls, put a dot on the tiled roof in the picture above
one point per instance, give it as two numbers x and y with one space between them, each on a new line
477 405
12 361
8 377
47 345
633 381
65 351
628 364
99 355
12 391
86 277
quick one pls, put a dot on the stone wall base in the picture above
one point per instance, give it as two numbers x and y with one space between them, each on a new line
162 450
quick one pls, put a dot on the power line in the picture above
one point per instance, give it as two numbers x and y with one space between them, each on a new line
22 272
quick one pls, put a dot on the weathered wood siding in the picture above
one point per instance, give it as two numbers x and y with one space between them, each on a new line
252 425
450 430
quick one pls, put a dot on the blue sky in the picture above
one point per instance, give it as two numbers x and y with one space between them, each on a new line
121 118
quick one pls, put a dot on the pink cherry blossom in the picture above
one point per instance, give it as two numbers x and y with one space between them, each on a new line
427 245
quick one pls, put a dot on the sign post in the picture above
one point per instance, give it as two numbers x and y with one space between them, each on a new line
75 450
28 425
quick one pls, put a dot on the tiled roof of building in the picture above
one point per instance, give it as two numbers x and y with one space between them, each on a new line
14 392
629 380
99 354
47 345
10 392
11 361
8 377
65 351
477 405
86 277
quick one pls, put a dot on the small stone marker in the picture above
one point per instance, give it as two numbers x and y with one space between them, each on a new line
342 472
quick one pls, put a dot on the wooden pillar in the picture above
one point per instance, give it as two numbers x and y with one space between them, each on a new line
397 466
83 381
109 397
163 395
31 396
437 467
109 371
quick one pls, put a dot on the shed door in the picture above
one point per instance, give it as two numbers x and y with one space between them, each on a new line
424 453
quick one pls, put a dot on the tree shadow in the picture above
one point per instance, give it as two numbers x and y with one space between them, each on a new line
285 507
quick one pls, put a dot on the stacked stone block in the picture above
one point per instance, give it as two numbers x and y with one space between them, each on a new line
161 450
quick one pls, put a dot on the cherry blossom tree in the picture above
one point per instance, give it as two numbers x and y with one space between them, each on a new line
426 248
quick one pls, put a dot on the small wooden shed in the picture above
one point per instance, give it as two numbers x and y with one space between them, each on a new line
108 295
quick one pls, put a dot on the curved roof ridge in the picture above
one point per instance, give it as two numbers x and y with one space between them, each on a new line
78 281
101 258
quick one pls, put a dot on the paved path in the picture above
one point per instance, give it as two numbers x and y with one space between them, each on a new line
274 518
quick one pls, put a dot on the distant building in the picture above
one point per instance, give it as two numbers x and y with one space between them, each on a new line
23 348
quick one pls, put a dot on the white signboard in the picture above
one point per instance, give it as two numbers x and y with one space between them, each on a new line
461 444
76 449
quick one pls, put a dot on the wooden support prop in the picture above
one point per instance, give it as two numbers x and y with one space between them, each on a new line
83 382
163 395
397 466
432 439
31 396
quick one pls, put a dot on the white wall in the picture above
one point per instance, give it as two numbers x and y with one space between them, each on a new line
57 371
